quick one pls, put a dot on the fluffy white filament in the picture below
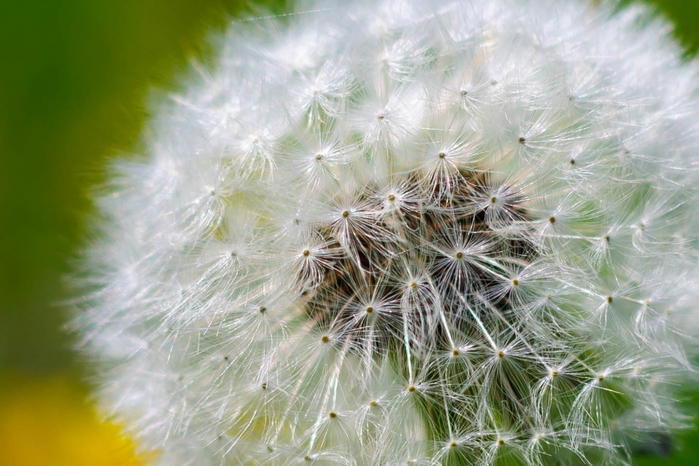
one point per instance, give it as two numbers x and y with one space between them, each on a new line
407 232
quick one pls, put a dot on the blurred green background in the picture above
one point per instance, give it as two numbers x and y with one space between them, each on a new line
74 76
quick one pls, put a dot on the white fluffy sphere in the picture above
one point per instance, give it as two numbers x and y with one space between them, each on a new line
407 232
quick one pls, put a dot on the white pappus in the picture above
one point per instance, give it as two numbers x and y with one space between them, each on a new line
407 232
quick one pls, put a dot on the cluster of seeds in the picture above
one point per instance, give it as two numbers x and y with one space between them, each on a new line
431 233
418 262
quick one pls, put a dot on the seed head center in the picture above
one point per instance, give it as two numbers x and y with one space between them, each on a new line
411 260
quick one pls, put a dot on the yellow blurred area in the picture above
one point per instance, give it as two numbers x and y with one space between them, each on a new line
48 422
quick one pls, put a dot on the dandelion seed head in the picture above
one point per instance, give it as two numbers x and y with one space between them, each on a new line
441 233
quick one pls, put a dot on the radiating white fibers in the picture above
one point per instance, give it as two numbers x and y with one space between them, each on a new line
407 232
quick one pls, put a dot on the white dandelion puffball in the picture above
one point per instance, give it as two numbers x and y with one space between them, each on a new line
408 232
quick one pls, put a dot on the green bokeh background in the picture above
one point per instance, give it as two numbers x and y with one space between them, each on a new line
74 76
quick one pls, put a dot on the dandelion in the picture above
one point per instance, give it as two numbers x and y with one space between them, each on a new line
407 232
